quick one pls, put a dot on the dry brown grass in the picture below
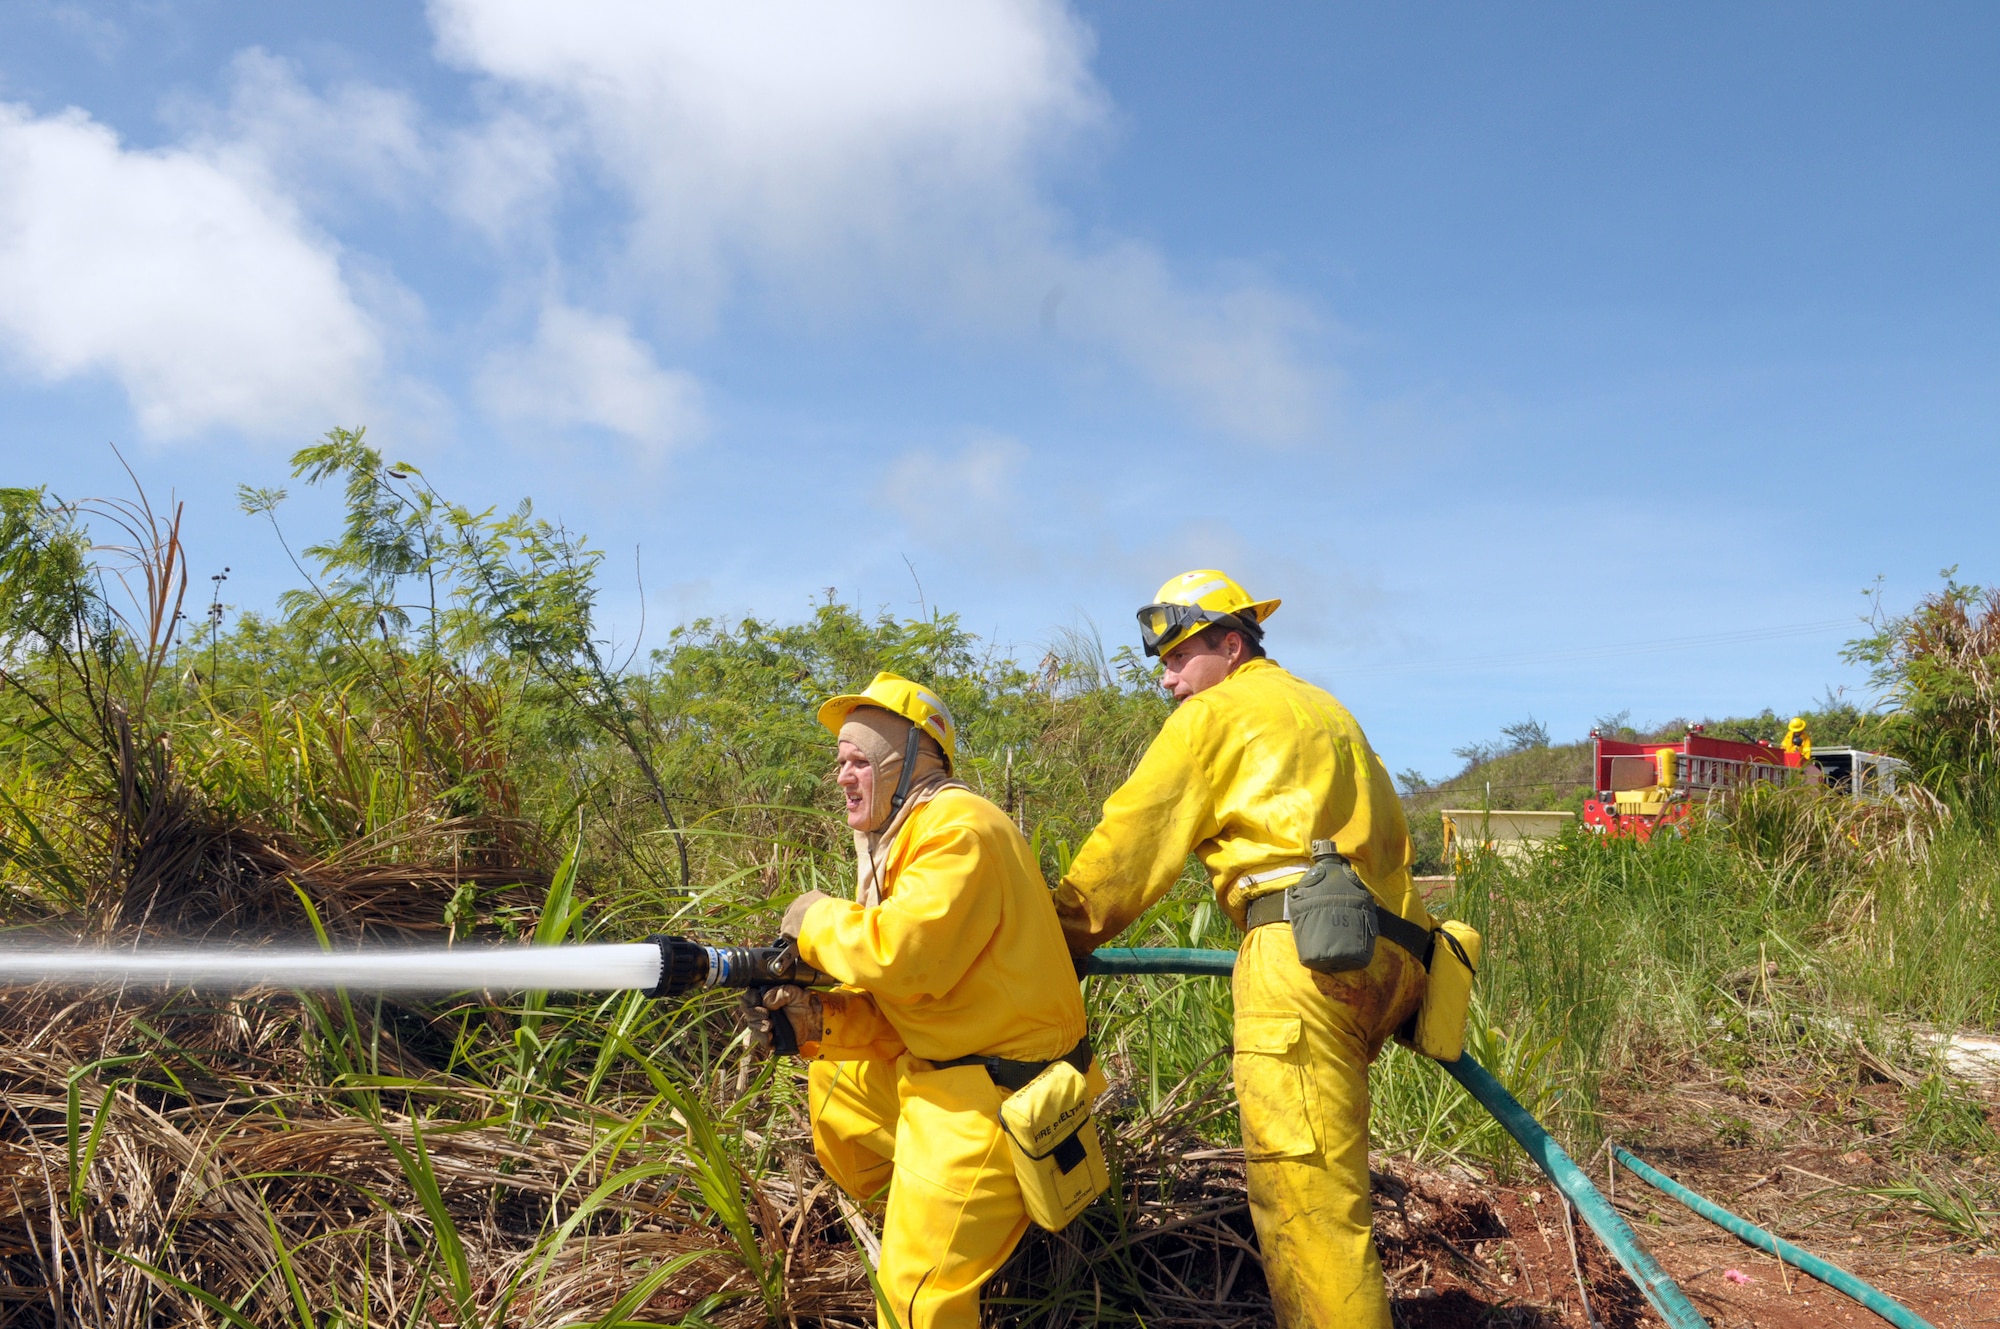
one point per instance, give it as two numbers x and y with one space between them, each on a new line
214 1160
159 1164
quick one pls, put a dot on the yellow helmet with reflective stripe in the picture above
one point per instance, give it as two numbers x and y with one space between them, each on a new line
1190 602
894 693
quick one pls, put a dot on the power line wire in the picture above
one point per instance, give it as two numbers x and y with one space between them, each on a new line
1606 651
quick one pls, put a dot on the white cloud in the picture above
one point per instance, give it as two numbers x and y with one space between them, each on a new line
322 147
182 274
588 369
889 153
770 131
359 142
502 176
881 157
1231 356
969 497
102 37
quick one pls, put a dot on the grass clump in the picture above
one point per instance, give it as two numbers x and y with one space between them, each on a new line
1945 1119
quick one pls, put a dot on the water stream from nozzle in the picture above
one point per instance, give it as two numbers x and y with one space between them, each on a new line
607 968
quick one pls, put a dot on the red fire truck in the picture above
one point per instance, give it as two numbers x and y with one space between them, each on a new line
1643 788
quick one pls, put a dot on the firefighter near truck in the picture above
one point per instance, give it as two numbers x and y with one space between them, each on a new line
1643 789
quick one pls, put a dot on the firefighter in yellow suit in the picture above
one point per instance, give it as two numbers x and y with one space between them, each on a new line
1252 767
955 977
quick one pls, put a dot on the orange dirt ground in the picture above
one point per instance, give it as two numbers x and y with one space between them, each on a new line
1792 1163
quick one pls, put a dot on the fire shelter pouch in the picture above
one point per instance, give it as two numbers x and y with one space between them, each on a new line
1440 1022
1058 1158
1332 914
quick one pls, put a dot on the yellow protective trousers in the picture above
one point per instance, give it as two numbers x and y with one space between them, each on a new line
1304 1042
926 1144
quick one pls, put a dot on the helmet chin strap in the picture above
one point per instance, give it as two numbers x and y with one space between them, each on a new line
909 765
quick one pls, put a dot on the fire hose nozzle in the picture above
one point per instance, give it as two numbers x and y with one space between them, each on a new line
688 966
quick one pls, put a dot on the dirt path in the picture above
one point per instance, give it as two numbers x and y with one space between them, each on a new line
1826 1164
1530 1281
1734 1286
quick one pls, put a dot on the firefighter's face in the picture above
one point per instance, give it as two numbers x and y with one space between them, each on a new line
855 775
1200 662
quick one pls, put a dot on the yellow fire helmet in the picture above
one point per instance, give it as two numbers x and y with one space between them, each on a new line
913 701
1190 602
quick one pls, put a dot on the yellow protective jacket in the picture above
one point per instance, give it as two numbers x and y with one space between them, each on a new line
963 956
1245 775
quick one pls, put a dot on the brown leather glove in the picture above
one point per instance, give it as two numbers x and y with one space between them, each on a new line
795 913
784 1019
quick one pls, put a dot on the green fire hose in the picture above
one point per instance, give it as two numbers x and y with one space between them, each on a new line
1159 960
1593 1208
1834 1277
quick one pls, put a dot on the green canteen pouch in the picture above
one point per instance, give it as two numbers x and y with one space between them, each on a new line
1058 1158
1332 914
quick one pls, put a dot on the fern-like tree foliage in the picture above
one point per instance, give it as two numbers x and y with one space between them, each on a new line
468 590
1939 669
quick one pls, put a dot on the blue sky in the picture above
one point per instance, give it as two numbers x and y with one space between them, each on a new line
1545 359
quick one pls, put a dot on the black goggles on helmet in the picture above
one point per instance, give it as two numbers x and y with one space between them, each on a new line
1160 623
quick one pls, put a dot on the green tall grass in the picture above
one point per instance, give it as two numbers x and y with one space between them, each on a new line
1796 919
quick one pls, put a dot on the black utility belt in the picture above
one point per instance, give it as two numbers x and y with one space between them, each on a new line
1412 937
1014 1076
